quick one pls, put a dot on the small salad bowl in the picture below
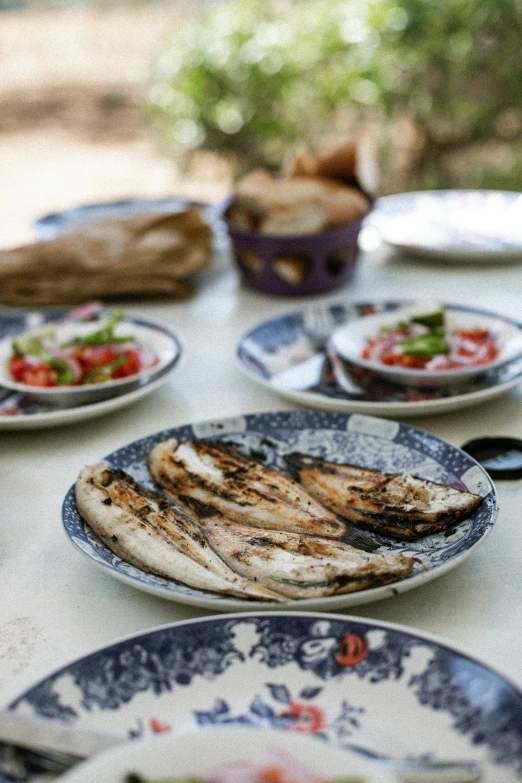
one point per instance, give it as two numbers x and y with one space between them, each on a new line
442 336
155 349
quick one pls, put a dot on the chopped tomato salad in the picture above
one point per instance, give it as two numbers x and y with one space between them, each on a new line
420 346
39 360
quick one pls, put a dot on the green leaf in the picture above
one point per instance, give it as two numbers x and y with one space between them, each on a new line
427 345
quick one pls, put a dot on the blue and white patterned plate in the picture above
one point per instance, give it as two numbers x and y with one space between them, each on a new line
50 226
466 225
361 440
22 411
376 688
280 355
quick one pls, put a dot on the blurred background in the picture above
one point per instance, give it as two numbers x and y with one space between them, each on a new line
112 99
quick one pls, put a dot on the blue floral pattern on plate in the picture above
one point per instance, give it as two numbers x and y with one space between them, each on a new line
333 677
374 443
281 355
23 411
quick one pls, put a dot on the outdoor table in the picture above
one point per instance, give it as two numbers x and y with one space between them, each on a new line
57 606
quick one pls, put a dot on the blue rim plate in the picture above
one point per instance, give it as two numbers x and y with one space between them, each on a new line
376 688
279 355
49 226
23 411
362 440
466 225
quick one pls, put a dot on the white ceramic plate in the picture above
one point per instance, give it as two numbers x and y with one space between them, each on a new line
238 751
461 225
361 440
279 355
27 411
349 341
375 688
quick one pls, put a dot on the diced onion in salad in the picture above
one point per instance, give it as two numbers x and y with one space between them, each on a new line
430 346
39 360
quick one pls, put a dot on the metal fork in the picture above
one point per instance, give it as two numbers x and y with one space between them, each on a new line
46 745
318 325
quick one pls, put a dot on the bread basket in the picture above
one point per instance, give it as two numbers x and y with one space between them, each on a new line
294 265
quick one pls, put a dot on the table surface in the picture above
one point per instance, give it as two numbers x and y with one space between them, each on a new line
56 606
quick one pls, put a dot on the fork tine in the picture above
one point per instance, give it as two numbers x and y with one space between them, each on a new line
318 324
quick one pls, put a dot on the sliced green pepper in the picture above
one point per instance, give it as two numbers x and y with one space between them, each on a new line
104 371
103 335
436 318
427 345
64 374
22 345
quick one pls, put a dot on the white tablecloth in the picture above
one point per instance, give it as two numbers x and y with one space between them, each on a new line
56 606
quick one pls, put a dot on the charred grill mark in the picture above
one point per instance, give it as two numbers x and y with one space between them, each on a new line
260 541
202 510
130 495
163 503
105 479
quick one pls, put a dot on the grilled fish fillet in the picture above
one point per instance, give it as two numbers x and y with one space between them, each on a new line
244 490
297 566
145 529
397 504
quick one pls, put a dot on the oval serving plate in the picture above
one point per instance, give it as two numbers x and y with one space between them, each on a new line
19 410
280 355
376 688
361 440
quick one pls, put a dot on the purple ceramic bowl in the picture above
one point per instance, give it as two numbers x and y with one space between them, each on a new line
295 265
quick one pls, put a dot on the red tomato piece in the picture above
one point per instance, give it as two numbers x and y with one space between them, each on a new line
131 366
17 367
97 357
415 362
472 334
40 375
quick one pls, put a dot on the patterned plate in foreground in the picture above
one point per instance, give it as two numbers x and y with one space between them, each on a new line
360 440
281 355
377 688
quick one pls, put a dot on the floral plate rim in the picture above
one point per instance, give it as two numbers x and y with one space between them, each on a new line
39 697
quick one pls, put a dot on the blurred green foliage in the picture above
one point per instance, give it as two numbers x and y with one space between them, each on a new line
439 81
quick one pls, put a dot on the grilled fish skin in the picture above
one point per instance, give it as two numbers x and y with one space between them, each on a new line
297 566
397 504
147 530
244 490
